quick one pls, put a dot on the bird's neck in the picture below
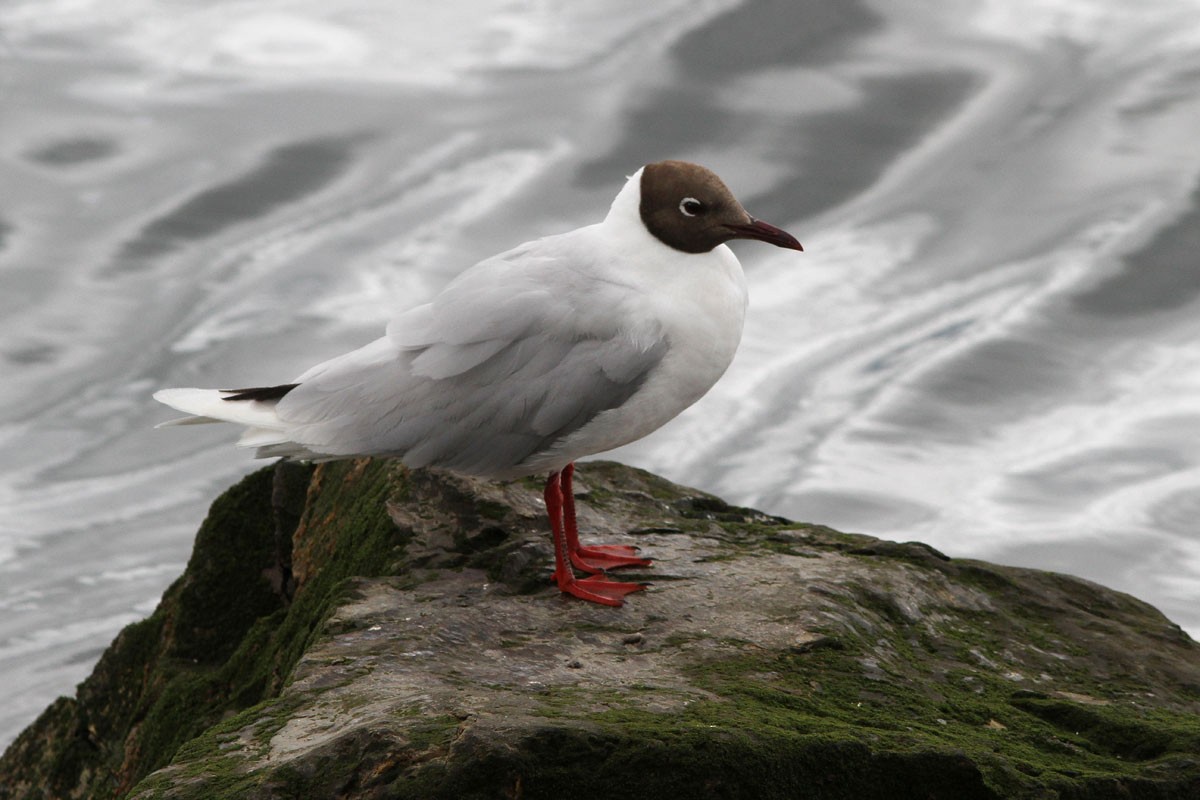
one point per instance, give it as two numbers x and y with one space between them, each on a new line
626 207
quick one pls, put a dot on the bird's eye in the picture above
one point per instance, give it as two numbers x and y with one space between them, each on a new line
690 206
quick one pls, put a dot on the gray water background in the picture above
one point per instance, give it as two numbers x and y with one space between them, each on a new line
990 344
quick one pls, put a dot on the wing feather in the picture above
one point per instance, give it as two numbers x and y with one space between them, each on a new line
496 369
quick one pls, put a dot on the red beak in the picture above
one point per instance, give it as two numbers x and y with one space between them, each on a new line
765 232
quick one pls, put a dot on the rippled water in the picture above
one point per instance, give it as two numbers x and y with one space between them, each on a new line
989 345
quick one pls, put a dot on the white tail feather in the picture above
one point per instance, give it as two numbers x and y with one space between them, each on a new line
264 430
261 437
171 423
209 405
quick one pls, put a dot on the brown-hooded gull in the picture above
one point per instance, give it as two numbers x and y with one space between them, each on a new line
557 349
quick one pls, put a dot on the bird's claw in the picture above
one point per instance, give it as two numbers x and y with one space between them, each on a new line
598 589
603 557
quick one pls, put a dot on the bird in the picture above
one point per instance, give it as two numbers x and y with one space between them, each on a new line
560 348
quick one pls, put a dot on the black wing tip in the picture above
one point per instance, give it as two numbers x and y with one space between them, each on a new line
259 392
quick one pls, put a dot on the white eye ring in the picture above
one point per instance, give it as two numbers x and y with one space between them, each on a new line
685 202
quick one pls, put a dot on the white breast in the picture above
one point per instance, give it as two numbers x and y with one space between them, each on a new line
698 303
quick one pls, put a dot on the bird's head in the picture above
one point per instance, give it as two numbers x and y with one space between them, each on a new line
687 207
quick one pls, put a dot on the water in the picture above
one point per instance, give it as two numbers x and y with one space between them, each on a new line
989 344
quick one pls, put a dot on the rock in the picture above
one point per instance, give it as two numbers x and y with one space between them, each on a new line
409 644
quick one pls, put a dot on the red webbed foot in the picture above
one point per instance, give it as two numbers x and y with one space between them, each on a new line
602 557
599 589
597 557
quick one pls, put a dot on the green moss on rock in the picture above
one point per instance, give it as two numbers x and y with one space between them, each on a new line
221 639
403 640
156 686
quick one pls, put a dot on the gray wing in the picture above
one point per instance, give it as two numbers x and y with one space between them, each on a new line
495 370
487 420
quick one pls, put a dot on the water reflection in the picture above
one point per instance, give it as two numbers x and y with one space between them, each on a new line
989 344
287 174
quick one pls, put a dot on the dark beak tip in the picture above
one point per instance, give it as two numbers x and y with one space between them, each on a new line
766 232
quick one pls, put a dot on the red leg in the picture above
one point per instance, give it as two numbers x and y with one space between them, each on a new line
594 558
597 588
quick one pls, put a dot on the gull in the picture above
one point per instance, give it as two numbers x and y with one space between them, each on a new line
560 348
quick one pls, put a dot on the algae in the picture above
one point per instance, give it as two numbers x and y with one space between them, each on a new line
400 638
220 640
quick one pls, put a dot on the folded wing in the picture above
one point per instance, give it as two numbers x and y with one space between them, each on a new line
495 370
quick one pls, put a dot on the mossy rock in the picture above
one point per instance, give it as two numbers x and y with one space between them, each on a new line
408 643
